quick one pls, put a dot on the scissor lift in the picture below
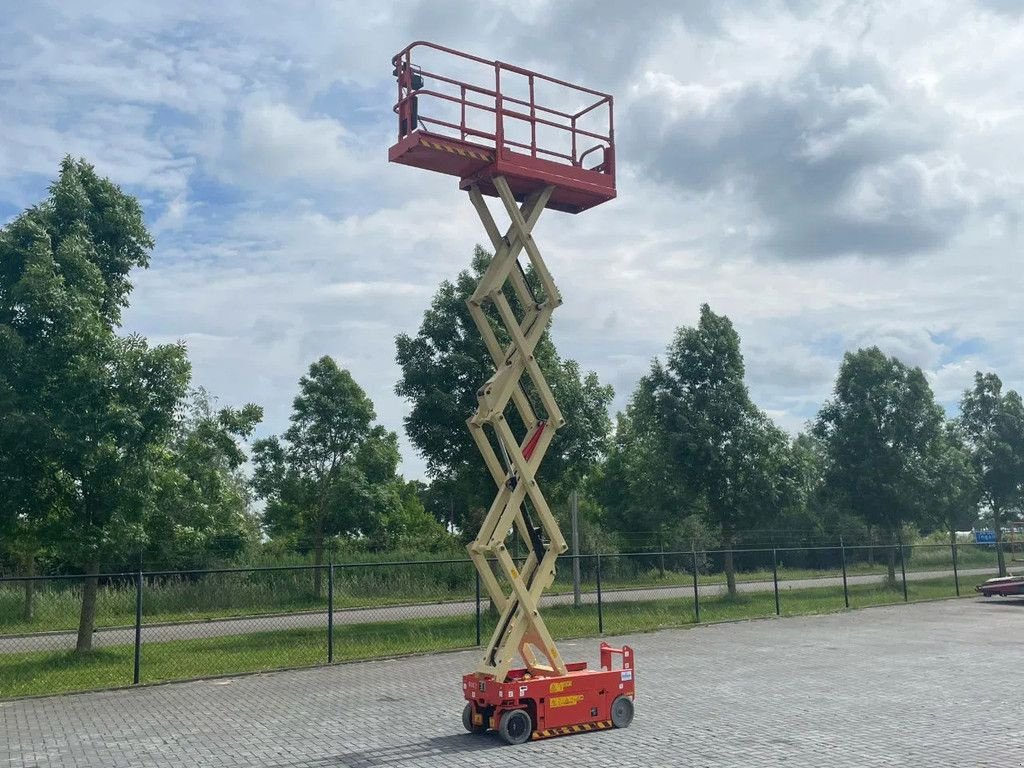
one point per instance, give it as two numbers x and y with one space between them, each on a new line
534 142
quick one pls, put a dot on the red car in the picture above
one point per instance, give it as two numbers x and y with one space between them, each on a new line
1007 585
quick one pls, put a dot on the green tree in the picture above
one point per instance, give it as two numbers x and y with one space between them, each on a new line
956 490
815 518
809 513
114 443
442 367
706 445
87 412
24 532
332 472
640 487
992 423
879 432
203 507
413 525
29 502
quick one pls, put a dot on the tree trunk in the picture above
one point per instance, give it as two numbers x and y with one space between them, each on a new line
87 619
871 548
952 535
730 565
997 524
318 561
29 567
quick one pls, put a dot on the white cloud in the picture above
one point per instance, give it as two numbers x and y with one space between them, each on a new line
276 143
374 290
950 380
174 215
256 138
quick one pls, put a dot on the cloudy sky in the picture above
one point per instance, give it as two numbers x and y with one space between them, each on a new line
828 174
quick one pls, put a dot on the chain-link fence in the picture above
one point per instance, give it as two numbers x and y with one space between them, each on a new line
172 625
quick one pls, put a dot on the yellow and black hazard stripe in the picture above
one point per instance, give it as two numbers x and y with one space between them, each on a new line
600 725
473 154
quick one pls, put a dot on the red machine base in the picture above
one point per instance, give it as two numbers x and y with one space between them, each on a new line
525 707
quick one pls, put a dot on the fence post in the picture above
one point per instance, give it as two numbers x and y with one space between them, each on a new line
696 593
846 589
775 580
574 512
136 674
330 612
903 569
478 607
600 607
956 573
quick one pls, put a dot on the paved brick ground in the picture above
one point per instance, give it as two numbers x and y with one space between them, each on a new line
934 684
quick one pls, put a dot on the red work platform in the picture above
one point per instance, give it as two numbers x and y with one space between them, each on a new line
466 116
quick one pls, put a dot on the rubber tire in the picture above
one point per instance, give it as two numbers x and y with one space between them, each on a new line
515 727
467 720
622 712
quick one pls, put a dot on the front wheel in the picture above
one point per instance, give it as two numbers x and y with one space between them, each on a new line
515 726
622 712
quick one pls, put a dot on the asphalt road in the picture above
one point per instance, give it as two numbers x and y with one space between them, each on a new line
914 686
270 623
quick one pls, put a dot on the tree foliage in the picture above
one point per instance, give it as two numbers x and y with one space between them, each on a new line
333 471
202 513
692 440
880 432
956 490
992 423
726 451
640 486
104 459
86 411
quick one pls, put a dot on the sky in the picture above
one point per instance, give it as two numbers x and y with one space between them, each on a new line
830 175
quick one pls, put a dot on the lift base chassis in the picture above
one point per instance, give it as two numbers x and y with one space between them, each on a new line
577 702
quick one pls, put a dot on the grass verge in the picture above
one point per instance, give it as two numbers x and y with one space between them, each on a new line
48 672
237 595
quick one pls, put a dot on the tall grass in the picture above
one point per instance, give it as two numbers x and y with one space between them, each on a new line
181 597
197 596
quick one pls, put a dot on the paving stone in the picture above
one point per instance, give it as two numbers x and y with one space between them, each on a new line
931 684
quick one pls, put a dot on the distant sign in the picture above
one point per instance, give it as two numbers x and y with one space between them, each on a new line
985 537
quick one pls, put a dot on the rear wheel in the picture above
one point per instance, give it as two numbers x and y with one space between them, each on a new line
515 726
467 721
622 712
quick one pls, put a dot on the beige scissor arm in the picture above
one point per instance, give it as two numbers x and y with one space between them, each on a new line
520 630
